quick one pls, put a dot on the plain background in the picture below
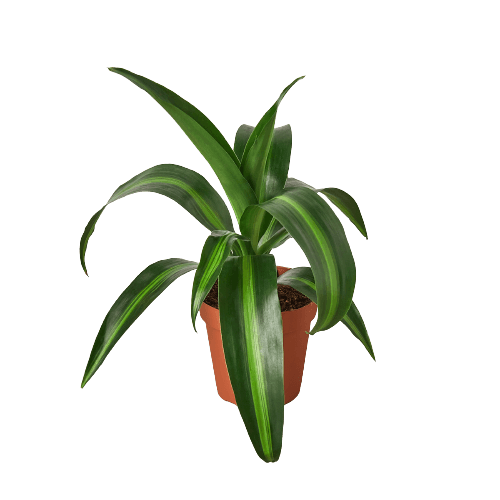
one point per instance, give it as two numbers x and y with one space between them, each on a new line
400 108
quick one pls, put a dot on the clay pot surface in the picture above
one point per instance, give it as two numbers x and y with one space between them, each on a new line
295 324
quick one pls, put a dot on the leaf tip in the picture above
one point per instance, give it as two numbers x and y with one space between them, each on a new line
193 320
369 349
84 267
86 377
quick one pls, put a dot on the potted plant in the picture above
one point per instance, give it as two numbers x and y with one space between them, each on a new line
258 350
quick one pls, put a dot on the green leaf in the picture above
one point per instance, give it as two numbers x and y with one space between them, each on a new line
205 136
242 247
276 171
348 205
312 223
278 159
267 177
87 233
252 337
131 304
188 188
215 252
302 279
273 237
340 199
241 139
278 162
356 325
293 183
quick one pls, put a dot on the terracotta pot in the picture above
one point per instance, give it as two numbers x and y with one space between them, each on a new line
295 324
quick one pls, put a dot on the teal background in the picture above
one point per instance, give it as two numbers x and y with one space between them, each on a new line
399 107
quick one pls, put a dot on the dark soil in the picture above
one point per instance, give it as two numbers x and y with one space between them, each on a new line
290 298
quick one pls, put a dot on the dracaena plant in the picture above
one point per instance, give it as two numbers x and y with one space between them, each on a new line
269 208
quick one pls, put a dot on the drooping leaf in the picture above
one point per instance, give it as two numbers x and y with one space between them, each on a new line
356 325
87 233
252 336
188 188
215 252
205 136
302 279
340 199
293 183
131 304
348 205
315 227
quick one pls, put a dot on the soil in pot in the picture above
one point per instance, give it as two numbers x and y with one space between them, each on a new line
290 299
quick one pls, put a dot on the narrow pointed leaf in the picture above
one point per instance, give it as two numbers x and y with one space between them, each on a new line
87 233
131 304
215 252
348 205
205 136
312 223
265 177
188 188
356 325
252 337
302 279
345 202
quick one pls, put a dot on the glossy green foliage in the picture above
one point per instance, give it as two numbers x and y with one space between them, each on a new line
270 209
215 251
302 279
317 230
205 136
345 202
265 177
131 304
252 336
188 188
